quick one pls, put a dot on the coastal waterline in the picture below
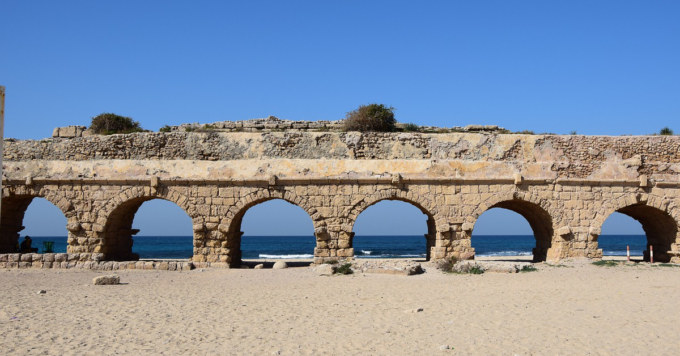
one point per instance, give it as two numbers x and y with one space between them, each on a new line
302 247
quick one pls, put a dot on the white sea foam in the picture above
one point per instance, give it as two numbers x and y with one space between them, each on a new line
621 253
505 253
288 257
366 252
389 256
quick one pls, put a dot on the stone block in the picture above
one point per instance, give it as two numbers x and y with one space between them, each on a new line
564 231
106 280
322 252
67 132
594 231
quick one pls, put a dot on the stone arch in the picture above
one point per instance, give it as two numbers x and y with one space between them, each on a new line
659 220
538 213
261 195
115 217
15 201
234 217
426 206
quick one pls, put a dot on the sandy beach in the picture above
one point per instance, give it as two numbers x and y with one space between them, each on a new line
570 309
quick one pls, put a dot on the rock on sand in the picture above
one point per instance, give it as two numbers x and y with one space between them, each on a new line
280 265
106 280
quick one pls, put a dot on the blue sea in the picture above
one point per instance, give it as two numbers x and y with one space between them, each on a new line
364 246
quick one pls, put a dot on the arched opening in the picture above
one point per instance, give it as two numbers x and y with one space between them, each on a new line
502 233
511 217
393 229
35 217
619 232
660 230
165 231
272 229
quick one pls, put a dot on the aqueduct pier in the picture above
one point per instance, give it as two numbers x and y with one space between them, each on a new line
565 186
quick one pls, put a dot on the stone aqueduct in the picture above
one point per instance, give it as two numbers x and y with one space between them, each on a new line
565 186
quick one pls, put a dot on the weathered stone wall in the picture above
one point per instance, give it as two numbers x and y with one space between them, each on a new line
565 186
534 155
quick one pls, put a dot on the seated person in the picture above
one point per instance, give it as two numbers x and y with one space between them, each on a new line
26 245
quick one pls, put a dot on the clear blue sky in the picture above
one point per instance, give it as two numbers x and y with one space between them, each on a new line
597 67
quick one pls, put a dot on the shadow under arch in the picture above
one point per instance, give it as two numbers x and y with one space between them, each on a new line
661 229
116 235
539 220
236 213
13 210
403 196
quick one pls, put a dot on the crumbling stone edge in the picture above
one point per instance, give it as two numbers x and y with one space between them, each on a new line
76 261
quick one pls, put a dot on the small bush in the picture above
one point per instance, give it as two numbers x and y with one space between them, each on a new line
476 270
607 263
372 117
666 131
204 128
109 123
345 268
165 128
446 264
331 262
559 266
667 265
528 268
411 127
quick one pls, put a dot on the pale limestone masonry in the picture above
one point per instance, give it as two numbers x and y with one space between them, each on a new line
69 131
565 186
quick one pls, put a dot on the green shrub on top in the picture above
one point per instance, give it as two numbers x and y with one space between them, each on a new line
666 131
411 127
109 123
371 117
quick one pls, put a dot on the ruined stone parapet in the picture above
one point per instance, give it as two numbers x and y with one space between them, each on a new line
433 155
269 124
274 124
